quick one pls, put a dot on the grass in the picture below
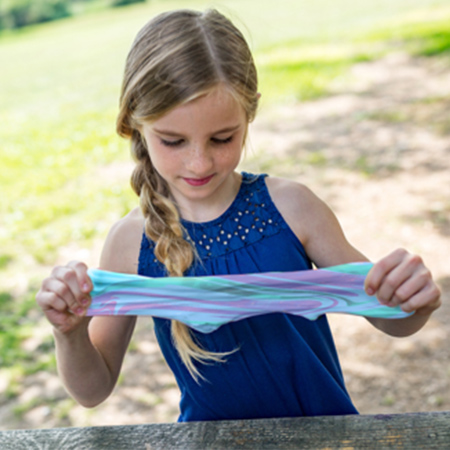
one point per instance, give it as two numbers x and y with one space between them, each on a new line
18 320
59 86
305 69
301 71
419 38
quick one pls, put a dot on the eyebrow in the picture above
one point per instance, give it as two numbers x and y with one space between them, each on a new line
174 134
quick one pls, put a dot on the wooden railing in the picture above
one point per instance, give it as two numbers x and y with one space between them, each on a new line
410 431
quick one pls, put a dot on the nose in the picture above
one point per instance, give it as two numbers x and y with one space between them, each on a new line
200 160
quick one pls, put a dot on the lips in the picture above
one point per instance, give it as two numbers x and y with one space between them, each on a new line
198 181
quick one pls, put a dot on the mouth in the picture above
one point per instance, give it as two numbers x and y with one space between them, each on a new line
198 181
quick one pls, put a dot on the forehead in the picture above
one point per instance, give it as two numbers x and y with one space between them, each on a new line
214 110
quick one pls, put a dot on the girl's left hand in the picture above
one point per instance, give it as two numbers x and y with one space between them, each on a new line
403 279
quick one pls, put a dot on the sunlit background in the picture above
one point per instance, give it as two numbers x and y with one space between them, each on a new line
64 172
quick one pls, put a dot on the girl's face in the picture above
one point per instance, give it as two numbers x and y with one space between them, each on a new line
196 148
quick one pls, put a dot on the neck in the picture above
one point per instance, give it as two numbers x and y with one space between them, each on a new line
214 206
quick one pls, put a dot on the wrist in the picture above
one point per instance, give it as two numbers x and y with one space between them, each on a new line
78 333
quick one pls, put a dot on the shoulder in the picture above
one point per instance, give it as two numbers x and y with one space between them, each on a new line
286 191
313 222
297 204
122 246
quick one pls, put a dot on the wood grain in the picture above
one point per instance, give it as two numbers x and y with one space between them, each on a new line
412 431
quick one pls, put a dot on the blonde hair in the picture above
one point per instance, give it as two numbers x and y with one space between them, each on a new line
176 57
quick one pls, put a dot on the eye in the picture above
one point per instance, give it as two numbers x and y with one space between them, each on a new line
171 143
222 141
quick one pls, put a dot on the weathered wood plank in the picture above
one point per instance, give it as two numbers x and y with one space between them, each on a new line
412 431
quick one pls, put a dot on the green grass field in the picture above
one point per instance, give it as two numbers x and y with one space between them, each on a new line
59 86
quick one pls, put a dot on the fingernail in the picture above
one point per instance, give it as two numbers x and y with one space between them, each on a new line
79 311
370 291
85 287
84 301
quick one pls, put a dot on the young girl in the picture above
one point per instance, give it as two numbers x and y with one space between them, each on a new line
188 95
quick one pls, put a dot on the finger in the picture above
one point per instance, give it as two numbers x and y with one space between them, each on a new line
397 277
425 301
69 276
81 271
64 285
55 309
402 282
418 280
57 288
381 269
50 300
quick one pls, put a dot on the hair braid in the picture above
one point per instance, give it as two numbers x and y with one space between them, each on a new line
162 225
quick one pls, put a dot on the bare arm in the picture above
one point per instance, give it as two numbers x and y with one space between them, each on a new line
89 351
398 279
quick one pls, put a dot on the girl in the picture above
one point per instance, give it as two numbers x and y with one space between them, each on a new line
188 95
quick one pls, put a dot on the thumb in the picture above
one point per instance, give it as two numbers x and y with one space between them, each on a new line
369 282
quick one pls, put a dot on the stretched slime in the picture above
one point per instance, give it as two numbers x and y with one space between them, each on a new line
206 303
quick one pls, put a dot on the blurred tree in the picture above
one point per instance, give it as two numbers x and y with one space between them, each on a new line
19 13
126 2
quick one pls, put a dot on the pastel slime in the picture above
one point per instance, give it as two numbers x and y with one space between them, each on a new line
208 302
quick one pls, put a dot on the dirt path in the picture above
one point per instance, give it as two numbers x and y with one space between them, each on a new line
378 151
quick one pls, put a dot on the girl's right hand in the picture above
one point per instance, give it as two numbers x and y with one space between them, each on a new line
64 297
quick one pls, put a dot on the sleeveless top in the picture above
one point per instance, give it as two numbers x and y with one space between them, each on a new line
284 365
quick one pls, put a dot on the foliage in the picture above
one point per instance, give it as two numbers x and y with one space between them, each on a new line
19 13
126 2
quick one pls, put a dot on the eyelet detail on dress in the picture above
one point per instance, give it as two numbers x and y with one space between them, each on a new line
250 218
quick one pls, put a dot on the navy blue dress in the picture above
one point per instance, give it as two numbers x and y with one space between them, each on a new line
285 366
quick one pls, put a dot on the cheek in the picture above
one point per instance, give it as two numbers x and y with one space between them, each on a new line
235 155
158 153
230 155
158 159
